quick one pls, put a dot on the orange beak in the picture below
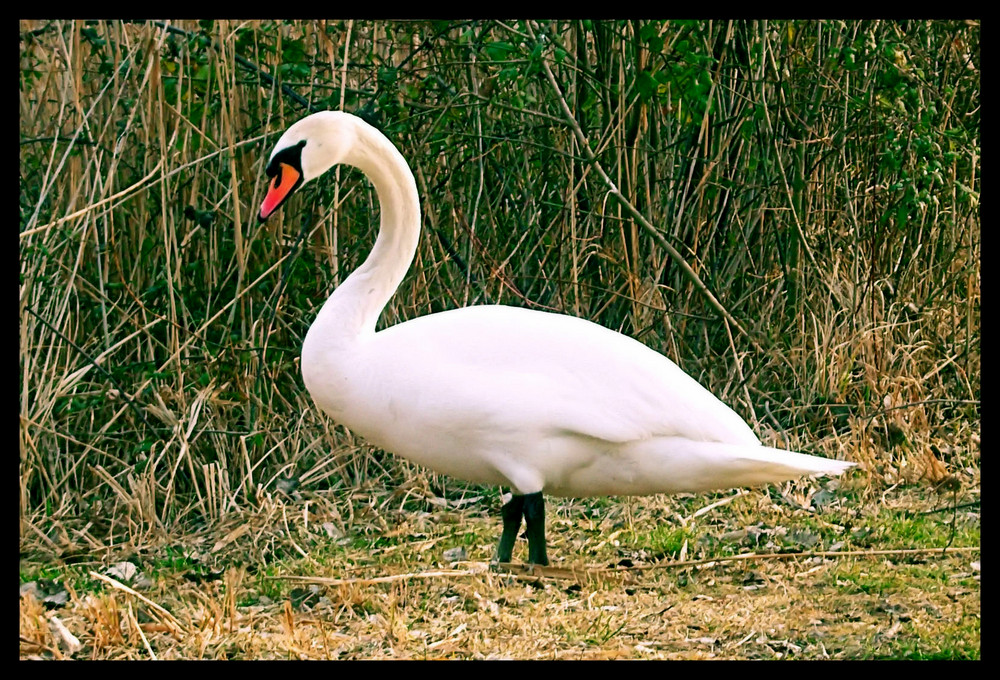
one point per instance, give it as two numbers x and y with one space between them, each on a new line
285 181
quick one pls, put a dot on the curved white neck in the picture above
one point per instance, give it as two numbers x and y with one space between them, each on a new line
354 308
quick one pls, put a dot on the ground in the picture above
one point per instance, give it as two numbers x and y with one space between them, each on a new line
408 576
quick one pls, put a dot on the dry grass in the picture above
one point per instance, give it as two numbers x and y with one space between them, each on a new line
387 593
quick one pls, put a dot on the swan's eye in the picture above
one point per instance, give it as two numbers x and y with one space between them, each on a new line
276 182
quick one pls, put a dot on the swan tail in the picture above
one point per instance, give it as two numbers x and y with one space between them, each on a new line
796 464
676 464
714 465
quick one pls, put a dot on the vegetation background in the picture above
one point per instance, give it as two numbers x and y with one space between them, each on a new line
817 183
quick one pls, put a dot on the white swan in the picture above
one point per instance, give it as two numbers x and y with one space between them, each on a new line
502 395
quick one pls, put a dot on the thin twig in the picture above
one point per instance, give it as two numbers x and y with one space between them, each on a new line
556 572
537 571
58 138
170 618
440 573
790 556
138 628
950 507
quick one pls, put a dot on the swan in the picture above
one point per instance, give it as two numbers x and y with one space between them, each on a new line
534 401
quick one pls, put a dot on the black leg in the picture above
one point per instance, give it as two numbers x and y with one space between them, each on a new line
511 512
534 519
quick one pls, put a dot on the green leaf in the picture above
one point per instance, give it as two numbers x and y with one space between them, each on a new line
499 50
646 85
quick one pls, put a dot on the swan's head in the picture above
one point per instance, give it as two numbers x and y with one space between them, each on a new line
307 149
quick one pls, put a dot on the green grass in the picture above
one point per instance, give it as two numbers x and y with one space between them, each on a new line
662 541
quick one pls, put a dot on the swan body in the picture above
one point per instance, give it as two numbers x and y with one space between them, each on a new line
539 402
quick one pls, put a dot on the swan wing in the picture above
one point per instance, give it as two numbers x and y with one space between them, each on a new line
525 370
